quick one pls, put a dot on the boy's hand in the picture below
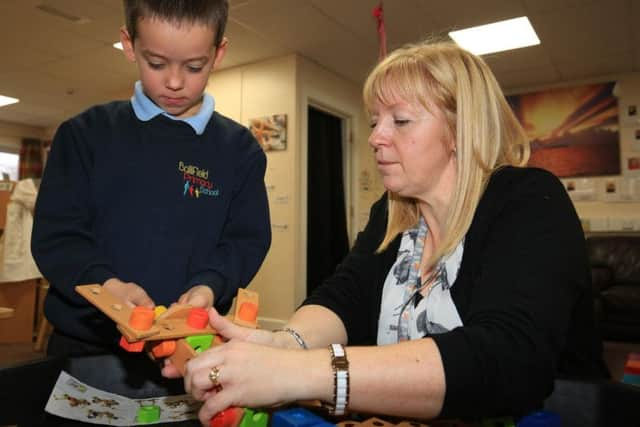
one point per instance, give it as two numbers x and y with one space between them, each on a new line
132 294
198 296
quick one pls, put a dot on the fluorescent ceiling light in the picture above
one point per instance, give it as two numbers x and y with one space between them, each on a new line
118 45
7 100
497 37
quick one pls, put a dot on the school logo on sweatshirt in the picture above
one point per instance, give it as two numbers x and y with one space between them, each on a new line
196 181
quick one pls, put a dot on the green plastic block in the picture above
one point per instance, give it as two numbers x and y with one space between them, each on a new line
200 343
254 419
498 422
148 414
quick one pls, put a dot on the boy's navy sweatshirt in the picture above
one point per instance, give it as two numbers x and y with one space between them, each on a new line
151 203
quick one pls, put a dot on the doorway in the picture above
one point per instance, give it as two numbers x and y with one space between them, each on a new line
327 235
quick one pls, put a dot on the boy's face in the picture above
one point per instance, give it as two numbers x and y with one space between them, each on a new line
174 62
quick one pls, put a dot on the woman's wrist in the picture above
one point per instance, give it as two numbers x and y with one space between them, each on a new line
289 338
311 376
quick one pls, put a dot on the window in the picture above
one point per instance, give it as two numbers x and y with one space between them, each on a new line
9 163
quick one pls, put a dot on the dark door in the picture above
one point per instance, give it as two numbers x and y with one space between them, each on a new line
327 240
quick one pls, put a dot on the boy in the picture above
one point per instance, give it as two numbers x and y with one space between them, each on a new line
160 199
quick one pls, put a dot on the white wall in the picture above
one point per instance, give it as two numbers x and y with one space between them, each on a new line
258 90
288 85
11 135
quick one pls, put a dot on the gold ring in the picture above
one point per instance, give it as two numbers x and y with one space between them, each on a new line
214 375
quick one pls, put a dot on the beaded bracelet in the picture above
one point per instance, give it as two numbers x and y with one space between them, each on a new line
296 336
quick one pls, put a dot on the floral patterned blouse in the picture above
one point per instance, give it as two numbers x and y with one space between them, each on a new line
408 311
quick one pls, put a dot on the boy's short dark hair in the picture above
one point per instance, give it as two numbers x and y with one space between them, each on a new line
213 13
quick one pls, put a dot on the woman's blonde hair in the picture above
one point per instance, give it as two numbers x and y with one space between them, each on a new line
486 133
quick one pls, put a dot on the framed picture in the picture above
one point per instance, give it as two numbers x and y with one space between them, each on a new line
270 131
573 131
631 165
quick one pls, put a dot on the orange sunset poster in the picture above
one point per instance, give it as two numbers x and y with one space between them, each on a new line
573 131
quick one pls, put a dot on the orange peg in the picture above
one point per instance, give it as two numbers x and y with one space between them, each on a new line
164 349
141 318
248 312
198 318
132 347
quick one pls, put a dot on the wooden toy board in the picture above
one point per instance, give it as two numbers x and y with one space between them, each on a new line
181 356
170 325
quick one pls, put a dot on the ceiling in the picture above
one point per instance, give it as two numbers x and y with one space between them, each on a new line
57 65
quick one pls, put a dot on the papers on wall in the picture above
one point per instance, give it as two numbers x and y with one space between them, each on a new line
609 189
595 225
631 165
621 190
581 189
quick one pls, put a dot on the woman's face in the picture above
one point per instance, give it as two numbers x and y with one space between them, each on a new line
413 150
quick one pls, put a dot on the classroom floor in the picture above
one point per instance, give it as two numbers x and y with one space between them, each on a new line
615 354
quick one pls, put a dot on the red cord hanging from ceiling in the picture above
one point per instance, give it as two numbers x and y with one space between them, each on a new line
382 35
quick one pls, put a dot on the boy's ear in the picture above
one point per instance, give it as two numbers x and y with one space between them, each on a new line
127 44
220 51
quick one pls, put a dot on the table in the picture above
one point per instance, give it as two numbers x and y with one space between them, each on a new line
25 389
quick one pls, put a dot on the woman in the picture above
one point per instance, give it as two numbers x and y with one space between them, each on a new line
466 294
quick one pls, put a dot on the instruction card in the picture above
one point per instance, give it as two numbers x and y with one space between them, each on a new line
75 400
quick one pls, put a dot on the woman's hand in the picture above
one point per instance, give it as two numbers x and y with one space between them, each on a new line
227 330
255 368
250 375
198 296
130 293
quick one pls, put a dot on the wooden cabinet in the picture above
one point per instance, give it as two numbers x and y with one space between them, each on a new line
21 297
